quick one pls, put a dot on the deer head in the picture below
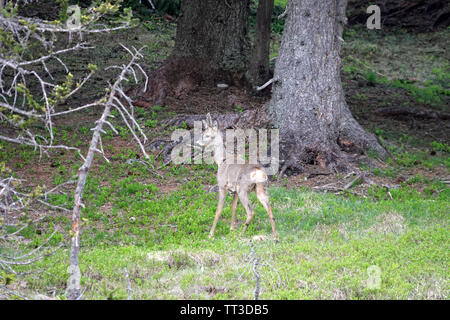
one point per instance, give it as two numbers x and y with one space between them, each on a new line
210 133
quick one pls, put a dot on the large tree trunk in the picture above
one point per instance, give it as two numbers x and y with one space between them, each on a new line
211 46
259 71
308 104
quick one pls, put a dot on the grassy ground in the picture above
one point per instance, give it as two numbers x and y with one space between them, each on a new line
156 225
328 242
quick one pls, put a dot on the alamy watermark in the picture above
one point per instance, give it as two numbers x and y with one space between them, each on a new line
374 21
373 277
74 19
233 151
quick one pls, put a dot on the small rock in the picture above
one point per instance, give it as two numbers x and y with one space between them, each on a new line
259 238
222 86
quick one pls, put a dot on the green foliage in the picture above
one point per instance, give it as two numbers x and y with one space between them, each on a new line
63 16
430 94
7 278
281 3
277 25
21 88
349 33
150 123
239 108
440 146
361 96
423 73
371 77
10 10
61 91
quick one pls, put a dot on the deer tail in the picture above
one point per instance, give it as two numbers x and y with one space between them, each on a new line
258 176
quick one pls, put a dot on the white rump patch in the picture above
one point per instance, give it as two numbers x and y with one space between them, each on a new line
258 176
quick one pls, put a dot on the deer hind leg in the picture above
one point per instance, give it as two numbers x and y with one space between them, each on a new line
222 195
243 196
262 196
233 210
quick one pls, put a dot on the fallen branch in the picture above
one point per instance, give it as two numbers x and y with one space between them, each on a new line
360 177
265 85
314 174
284 14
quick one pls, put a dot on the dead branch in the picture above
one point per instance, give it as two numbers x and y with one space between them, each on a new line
265 85
284 14
256 272
363 176
73 287
19 103
129 288
17 70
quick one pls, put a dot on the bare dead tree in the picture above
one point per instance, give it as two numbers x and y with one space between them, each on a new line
13 260
121 102
254 262
31 92
20 103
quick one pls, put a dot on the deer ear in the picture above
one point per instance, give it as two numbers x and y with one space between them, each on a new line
204 124
208 119
215 124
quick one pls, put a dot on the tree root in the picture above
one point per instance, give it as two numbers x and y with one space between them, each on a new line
246 119
255 118
362 177
294 154
180 75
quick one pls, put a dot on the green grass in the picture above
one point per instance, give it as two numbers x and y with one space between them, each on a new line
402 61
281 3
327 244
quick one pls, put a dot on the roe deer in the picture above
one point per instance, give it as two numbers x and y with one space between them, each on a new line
240 179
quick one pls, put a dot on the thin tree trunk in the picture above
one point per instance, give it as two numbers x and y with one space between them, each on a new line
259 71
73 291
74 287
308 103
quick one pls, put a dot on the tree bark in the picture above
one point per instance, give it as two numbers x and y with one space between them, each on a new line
211 46
308 103
259 71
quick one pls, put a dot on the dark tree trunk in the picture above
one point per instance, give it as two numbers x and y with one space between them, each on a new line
308 104
215 31
211 45
259 71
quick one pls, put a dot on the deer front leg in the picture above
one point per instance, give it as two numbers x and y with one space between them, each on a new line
222 195
233 211
261 194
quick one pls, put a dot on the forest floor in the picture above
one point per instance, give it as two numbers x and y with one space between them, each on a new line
156 222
